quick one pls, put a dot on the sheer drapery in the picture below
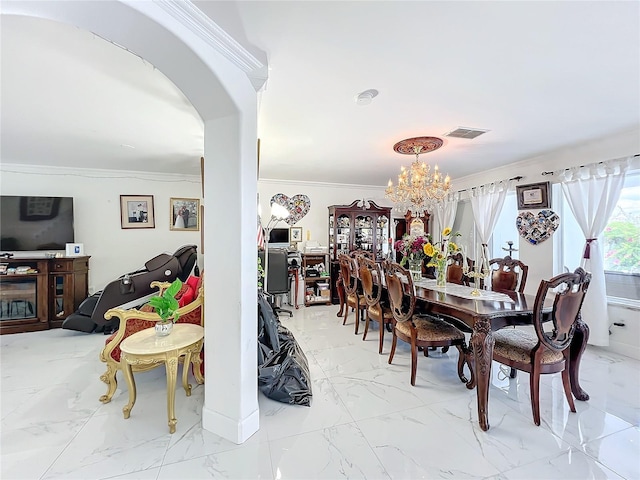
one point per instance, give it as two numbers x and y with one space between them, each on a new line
445 211
486 203
592 193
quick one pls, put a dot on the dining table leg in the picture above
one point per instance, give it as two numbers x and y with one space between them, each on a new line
578 345
482 344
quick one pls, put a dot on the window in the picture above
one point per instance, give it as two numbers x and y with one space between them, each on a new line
620 241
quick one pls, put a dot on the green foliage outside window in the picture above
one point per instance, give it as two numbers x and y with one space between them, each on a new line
622 245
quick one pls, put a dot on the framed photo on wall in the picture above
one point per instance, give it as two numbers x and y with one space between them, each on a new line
295 234
185 214
136 211
534 196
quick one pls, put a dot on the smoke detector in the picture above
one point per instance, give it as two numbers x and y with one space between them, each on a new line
365 98
464 132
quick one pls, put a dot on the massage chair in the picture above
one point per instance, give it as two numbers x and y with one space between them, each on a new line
131 290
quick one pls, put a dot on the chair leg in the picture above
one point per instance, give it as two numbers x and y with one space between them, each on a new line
109 377
357 309
346 314
414 357
381 334
513 373
393 346
366 326
534 385
462 359
566 383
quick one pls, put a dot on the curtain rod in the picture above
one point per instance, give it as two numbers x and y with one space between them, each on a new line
596 163
518 178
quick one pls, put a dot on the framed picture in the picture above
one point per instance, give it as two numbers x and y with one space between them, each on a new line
534 196
136 211
295 234
184 214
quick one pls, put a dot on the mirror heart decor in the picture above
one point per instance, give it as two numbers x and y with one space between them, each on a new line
537 228
298 206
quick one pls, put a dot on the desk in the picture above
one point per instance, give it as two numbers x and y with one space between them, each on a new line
485 316
145 348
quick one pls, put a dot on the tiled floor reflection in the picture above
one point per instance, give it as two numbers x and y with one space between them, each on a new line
366 421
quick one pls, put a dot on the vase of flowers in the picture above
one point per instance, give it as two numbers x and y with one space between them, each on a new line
439 253
413 254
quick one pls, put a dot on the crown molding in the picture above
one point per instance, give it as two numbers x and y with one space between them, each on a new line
272 181
206 29
96 173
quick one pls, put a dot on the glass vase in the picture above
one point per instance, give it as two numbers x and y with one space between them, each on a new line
163 328
415 268
441 275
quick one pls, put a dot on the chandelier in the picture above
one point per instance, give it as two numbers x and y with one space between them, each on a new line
418 189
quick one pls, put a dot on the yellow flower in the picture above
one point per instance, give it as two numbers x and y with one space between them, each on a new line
428 249
446 231
453 247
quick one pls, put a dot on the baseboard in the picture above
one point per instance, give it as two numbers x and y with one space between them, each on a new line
235 431
625 349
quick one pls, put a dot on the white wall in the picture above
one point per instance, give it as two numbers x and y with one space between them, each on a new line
96 193
315 225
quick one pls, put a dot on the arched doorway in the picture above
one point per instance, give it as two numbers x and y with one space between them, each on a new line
226 100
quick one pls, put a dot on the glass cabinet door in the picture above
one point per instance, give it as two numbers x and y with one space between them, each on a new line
363 239
58 296
382 236
343 234
332 237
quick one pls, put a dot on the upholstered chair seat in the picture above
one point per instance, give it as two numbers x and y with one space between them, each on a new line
517 344
431 329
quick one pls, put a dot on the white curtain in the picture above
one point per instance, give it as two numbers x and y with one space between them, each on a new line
592 193
445 211
486 203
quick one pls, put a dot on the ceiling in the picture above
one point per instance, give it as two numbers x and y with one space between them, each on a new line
538 76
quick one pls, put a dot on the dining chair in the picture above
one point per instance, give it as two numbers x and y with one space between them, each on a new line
419 330
508 274
455 271
548 349
354 299
372 287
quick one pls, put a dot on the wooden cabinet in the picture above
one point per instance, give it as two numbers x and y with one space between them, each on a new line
353 227
316 279
68 284
49 291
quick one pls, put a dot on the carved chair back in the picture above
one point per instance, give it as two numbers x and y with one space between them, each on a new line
371 279
569 290
347 273
401 291
508 274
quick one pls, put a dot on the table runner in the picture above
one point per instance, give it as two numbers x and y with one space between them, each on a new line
463 291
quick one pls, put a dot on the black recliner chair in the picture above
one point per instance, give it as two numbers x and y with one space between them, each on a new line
131 290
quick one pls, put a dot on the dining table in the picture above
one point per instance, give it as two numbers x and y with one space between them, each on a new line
485 313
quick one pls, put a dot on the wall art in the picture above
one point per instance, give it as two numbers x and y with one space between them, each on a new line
536 229
136 211
533 196
297 206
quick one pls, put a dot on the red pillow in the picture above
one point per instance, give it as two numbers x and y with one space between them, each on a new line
188 295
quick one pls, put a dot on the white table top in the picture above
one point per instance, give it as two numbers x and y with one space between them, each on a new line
145 342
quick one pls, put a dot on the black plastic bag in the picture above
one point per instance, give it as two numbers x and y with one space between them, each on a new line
283 369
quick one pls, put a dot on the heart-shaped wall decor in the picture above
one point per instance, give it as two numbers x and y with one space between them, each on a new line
537 228
298 206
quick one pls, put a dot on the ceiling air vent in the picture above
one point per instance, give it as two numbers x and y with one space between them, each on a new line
463 132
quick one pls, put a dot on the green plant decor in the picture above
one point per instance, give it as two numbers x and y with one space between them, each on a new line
166 305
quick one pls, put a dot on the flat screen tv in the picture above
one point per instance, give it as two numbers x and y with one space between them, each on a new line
279 235
35 223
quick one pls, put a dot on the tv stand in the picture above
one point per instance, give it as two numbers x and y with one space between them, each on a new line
49 290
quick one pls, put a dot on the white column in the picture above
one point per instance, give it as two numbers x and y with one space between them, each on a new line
230 277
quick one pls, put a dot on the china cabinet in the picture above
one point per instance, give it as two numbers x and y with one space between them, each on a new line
362 225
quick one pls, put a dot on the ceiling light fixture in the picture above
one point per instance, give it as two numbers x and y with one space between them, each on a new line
417 188
365 98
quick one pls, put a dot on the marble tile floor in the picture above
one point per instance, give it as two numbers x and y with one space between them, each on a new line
366 421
